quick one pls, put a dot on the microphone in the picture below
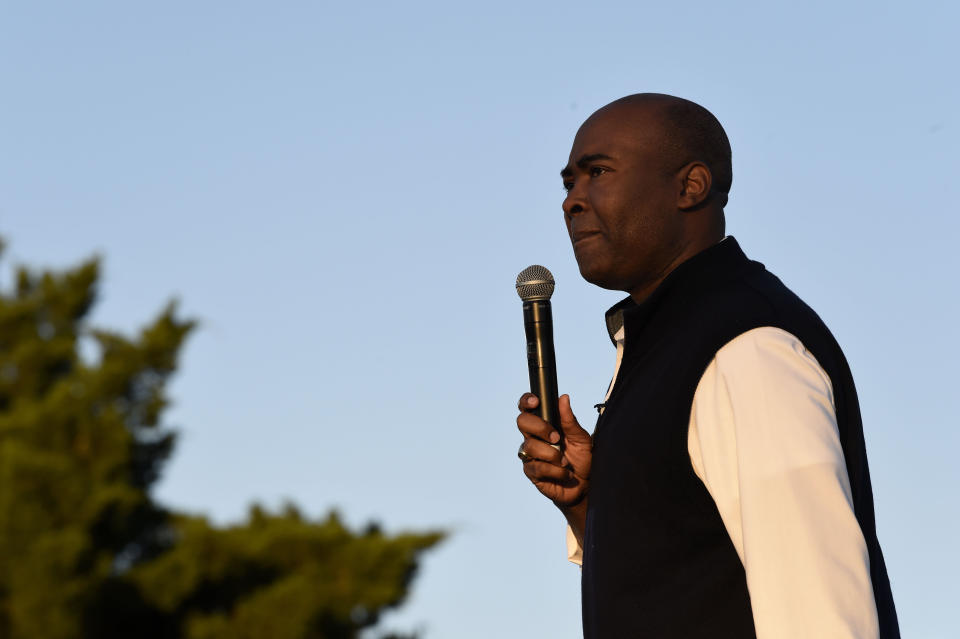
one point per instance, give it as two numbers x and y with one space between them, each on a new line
535 286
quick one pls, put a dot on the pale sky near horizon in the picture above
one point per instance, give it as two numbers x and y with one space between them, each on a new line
343 194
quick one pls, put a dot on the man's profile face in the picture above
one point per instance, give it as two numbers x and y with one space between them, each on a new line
620 207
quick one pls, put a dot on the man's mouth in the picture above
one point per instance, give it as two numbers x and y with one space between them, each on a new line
580 236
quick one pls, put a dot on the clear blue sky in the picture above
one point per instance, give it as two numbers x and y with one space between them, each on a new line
343 194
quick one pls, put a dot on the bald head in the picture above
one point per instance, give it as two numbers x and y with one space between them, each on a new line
685 132
646 180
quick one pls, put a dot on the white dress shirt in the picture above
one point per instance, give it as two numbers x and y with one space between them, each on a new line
763 440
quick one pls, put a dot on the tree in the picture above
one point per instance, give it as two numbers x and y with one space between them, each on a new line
84 549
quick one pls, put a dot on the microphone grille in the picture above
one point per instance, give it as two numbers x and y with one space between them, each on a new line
535 283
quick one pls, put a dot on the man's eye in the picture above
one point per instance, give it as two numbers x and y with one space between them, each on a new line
597 170
567 186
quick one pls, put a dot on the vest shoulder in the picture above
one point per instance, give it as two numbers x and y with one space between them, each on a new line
759 295
755 297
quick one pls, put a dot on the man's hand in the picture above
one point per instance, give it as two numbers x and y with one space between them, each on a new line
563 477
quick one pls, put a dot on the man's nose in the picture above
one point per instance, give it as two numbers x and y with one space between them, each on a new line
573 204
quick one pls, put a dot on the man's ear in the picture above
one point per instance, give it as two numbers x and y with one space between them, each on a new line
695 184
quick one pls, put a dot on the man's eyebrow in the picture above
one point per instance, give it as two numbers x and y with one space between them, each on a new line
583 161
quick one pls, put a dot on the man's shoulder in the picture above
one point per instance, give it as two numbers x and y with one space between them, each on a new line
754 294
757 298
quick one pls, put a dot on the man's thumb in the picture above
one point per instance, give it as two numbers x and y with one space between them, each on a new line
568 421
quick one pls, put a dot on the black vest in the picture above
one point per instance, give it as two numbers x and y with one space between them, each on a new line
657 560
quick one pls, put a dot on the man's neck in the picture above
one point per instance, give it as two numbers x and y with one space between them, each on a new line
644 291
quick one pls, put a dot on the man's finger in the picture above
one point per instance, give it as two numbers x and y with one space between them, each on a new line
532 426
538 471
528 401
542 451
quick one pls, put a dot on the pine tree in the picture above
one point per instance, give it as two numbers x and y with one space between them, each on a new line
85 552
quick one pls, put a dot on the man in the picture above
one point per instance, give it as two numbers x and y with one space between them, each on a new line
725 489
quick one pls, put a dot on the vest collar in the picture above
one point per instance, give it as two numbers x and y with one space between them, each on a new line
705 267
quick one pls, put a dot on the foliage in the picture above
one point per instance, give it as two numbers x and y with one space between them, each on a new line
84 549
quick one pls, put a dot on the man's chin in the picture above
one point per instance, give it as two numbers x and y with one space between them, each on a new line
597 275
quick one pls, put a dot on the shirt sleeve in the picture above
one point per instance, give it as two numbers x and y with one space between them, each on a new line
574 550
763 439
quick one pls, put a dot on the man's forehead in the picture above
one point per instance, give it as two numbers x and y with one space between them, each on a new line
622 123
616 133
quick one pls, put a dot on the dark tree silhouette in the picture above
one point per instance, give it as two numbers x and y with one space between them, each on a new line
85 552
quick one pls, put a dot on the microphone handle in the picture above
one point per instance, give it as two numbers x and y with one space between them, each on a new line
541 360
